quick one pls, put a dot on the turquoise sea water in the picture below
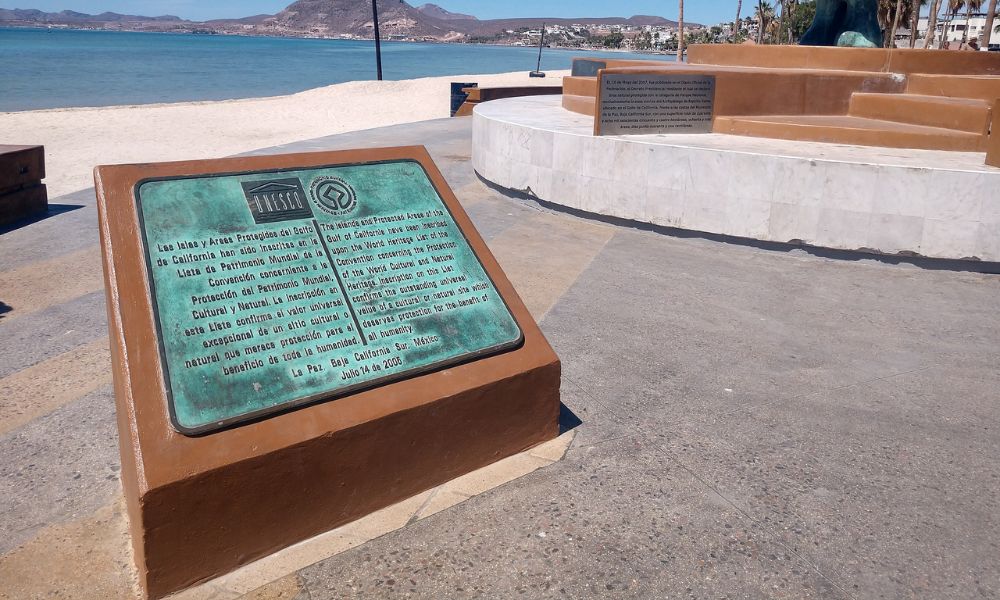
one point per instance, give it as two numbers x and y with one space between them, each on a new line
41 68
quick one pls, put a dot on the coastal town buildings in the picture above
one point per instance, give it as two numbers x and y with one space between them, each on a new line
960 28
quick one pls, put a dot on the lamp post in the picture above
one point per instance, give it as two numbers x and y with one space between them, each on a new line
538 69
378 40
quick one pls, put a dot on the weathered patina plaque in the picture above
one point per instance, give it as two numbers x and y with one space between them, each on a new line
277 289
638 103
583 67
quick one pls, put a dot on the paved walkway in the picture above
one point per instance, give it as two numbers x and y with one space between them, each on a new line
753 423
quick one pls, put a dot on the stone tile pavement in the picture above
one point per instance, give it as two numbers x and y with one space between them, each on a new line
753 423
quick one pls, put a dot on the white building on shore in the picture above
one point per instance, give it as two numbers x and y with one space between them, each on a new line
955 29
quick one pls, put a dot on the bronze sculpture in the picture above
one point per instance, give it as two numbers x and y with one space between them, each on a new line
845 23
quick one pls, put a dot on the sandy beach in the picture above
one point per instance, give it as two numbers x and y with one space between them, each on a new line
78 139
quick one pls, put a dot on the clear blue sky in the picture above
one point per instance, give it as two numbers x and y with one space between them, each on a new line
700 11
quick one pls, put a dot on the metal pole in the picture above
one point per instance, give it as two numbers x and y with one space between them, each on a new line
378 40
540 42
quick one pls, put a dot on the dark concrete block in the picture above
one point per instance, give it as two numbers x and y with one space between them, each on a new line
23 203
21 166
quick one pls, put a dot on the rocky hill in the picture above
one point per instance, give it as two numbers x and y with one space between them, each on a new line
436 12
354 17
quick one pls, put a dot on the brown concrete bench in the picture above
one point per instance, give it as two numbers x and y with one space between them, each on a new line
904 61
753 90
478 95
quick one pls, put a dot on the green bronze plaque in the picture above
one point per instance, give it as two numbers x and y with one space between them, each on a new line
276 289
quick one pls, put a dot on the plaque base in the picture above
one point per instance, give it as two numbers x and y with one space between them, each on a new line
200 506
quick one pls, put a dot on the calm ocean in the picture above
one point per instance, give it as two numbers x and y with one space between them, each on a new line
42 68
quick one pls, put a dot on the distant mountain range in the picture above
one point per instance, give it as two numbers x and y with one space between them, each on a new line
70 17
323 18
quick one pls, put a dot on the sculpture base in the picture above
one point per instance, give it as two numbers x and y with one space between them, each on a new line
918 202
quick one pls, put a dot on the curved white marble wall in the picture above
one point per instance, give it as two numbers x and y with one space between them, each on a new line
935 204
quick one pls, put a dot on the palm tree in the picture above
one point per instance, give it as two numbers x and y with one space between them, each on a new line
991 15
781 19
932 19
680 30
970 5
765 15
793 6
894 12
953 8
784 27
915 20
736 23
890 13
895 23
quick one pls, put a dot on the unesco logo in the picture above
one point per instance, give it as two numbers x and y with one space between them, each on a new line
274 200
334 195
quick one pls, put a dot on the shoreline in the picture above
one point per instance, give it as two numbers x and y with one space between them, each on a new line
79 138
337 39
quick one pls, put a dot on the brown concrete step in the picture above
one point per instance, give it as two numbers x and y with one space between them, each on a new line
580 86
584 105
852 130
964 114
983 87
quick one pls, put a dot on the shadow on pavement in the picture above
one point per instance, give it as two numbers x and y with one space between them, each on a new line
568 421
54 210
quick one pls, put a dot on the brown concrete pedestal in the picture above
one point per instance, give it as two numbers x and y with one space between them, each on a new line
202 506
